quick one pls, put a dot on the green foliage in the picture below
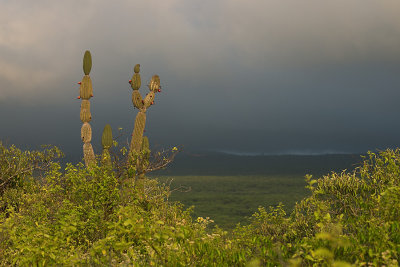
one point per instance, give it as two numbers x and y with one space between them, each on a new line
61 217
94 217
17 166
347 219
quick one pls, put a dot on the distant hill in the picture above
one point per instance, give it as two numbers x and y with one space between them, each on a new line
227 164
215 163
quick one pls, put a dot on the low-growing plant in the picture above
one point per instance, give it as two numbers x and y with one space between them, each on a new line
346 220
81 216
17 165
17 168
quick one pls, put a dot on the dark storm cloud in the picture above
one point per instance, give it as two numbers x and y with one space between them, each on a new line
255 76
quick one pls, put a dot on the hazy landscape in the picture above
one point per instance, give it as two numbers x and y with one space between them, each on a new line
228 188
262 108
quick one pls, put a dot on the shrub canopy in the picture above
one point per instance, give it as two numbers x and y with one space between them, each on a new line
81 216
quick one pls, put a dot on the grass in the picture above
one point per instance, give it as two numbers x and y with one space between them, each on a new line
228 200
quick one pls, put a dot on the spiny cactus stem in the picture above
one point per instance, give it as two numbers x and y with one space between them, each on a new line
85 93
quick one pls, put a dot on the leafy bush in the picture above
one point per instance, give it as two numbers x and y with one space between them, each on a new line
17 165
349 218
94 216
16 170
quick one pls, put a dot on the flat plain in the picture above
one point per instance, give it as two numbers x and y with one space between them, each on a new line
229 188
228 200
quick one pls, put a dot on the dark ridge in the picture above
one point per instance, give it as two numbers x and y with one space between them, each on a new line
226 164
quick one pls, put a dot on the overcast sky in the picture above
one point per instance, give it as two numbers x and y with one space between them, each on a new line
254 76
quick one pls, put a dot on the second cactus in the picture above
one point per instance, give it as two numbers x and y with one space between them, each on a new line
136 145
106 142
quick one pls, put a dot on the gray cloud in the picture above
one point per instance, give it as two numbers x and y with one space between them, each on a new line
237 75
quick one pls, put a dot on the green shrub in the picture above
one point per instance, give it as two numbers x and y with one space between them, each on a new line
81 216
16 166
349 218
16 170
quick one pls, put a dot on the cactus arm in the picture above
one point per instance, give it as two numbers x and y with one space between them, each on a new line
87 62
148 100
106 142
154 85
136 81
137 99
106 138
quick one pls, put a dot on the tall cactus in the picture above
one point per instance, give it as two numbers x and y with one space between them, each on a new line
106 142
85 93
141 104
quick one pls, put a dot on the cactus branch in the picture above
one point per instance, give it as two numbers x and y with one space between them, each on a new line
106 142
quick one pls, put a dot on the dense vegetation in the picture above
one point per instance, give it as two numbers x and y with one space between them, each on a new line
96 216
231 199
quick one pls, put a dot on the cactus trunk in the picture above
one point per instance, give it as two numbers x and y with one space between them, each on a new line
145 156
85 93
86 132
138 130
88 153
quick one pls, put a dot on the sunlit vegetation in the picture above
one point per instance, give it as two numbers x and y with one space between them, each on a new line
96 217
